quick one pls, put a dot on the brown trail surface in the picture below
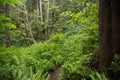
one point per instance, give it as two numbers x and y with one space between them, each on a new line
55 74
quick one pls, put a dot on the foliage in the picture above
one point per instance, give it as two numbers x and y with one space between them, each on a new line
34 62
5 63
86 26
115 66
5 21
10 2
72 45
96 76
44 57
24 71
76 69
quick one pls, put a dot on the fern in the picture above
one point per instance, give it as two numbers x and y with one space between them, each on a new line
96 76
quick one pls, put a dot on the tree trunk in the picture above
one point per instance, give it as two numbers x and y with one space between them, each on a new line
8 37
47 18
116 31
41 15
116 26
53 16
38 19
105 37
27 22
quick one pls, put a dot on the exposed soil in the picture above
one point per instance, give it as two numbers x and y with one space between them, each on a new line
55 74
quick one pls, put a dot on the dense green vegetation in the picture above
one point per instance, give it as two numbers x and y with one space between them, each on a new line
25 63
68 38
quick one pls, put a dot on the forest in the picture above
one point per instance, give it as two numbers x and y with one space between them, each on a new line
59 40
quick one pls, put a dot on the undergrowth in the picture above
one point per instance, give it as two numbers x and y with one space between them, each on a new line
39 60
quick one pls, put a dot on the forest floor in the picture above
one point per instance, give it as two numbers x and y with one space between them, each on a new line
56 73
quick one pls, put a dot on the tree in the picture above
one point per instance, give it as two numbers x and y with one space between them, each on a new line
41 14
27 22
47 18
5 21
116 26
105 36
39 18
8 37
109 30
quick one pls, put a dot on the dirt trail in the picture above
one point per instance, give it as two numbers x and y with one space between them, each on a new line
55 74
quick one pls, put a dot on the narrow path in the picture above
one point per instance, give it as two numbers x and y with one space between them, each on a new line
55 74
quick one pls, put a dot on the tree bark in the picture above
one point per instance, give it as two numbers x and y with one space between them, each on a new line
41 15
116 26
116 31
8 36
47 18
38 19
105 37
27 22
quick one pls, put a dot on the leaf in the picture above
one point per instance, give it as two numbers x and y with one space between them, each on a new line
10 25
11 2
4 18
